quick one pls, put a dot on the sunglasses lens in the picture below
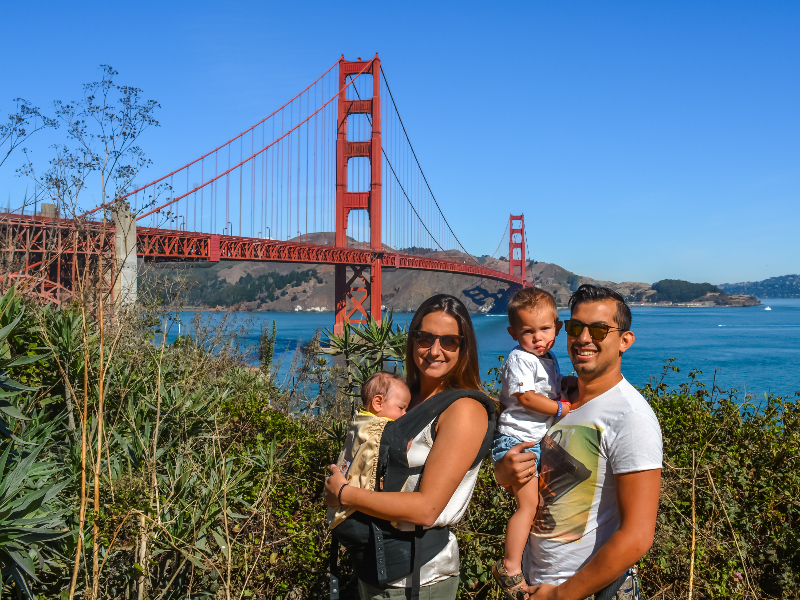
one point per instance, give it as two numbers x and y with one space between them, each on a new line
451 343
598 332
423 339
573 328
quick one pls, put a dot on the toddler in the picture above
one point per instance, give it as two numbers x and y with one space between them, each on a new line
385 398
531 397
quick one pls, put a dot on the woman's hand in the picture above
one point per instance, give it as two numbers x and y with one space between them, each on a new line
516 467
332 486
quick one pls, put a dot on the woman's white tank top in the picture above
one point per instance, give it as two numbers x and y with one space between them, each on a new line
446 563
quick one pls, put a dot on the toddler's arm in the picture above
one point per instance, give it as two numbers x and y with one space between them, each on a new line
541 404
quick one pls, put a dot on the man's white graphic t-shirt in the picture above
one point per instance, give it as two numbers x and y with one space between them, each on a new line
614 433
525 372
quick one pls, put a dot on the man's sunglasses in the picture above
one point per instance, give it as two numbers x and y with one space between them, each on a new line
597 331
425 340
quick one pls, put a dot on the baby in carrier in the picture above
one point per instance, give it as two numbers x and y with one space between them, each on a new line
385 397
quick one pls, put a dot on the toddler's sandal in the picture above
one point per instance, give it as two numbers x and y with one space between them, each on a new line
510 584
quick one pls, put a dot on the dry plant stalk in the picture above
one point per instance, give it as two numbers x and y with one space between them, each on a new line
694 527
733 533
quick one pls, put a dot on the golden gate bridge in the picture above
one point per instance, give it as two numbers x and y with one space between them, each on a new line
331 177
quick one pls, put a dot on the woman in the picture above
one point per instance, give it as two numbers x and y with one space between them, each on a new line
441 354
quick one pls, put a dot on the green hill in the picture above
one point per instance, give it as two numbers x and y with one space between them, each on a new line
786 286
677 290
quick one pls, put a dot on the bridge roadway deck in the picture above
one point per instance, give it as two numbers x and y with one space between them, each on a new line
164 244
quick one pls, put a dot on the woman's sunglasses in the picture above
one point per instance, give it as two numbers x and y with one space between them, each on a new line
425 340
597 331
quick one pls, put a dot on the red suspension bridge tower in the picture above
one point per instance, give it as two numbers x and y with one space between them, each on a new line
516 247
353 287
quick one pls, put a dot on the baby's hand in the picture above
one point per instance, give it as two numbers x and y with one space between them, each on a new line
565 407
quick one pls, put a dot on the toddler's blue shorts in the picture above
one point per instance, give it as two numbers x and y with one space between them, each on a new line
503 443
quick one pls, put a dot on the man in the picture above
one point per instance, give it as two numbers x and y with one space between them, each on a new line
600 467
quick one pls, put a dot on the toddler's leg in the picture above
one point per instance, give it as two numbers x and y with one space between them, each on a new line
519 525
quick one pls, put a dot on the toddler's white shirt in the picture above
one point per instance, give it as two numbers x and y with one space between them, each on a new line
524 372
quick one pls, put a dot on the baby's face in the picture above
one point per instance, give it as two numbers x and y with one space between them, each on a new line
535 330
396 403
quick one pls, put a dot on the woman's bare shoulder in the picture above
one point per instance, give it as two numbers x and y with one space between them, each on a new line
468 409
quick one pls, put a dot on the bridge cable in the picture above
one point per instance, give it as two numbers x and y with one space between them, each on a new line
402 189
400 119
383 150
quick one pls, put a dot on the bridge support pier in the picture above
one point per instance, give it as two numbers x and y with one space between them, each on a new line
125 262
351 291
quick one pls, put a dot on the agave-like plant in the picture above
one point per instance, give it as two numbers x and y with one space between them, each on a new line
29 521
367 349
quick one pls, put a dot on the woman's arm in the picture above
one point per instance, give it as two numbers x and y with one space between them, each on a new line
460 433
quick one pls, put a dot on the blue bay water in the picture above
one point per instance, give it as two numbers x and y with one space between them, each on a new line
752 349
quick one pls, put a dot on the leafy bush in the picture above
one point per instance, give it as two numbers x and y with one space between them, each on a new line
677 290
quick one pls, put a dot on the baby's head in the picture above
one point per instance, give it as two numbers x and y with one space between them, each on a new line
533 320
385 395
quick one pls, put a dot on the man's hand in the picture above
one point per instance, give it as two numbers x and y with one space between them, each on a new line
544 591
516 467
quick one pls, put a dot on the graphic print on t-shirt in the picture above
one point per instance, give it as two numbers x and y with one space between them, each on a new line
570 458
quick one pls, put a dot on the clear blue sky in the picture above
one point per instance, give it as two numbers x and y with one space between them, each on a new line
642 140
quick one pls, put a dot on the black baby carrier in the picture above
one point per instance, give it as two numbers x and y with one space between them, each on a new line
380 552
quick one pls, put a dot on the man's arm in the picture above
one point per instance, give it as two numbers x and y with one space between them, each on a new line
637 503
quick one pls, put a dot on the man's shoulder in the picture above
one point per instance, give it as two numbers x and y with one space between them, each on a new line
631 399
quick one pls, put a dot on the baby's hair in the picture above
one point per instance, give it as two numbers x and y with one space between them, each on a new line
378 384
531 298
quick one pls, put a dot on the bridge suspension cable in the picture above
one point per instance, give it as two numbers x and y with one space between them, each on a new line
421 172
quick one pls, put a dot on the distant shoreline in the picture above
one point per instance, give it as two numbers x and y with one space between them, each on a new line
632 305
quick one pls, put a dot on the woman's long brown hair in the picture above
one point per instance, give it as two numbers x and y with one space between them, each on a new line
466 373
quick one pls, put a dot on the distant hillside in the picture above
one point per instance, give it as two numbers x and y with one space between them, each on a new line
786 286
284 287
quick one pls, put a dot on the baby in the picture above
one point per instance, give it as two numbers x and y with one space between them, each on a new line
385 398
531 396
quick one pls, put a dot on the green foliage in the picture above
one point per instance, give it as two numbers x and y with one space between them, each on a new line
214 470
203 288
786 286
741 457
367 349
677 290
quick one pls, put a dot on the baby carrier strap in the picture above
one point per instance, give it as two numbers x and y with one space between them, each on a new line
415 420
380 552
393 469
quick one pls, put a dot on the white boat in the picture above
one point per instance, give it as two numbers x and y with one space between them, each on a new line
768 308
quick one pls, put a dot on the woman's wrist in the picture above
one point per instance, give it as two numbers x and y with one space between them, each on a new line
339 495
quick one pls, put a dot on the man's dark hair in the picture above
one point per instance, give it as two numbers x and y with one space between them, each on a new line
596 293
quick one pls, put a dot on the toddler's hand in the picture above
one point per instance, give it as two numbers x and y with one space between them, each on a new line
565 407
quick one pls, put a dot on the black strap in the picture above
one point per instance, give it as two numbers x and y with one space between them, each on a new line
334 567
380 554
417 562
415 420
